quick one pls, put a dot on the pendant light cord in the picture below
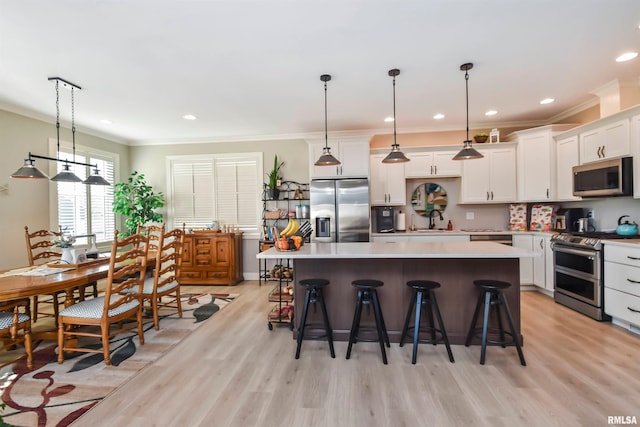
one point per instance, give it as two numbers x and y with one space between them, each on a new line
73 126
326 138
395 144
466 78
58 118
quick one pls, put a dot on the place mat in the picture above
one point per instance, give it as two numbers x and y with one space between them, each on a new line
43 270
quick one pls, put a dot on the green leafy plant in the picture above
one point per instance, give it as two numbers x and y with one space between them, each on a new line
136 200
274 174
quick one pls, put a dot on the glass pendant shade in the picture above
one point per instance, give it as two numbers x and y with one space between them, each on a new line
96 179
66 175
29 170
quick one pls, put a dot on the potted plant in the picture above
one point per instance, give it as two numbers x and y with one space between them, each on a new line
136 200
273 192
481 137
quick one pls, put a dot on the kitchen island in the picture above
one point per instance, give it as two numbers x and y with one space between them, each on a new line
455 265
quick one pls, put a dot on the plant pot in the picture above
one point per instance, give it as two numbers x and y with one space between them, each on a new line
480 139
273 193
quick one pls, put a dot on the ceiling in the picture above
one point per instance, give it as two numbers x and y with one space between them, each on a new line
250 70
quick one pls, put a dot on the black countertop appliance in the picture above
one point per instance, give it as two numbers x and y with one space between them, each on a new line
566 220
384 219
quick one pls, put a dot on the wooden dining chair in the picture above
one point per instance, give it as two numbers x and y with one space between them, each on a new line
164 282
122 300
12 321
40 245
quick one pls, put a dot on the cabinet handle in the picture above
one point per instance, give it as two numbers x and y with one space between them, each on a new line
547 193
603 154
435 169
487 195
431 169
492 195
541 245
632 281
633 258
633 310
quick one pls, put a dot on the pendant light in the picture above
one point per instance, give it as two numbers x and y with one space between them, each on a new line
395 156
326 159
467 152
29 170
65 175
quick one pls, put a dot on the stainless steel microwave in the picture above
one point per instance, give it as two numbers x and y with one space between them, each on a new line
605 178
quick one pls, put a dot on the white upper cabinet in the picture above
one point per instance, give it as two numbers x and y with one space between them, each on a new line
387 184
536 162
605 142
491 179
567 156
428 164
635 151
353 154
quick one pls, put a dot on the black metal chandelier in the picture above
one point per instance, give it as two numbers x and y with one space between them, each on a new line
29 169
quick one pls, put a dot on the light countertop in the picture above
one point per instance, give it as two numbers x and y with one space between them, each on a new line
628 243
400 250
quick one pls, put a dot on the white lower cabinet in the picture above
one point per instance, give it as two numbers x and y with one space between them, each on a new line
622 282
524 241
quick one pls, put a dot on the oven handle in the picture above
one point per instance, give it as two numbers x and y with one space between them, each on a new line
574 251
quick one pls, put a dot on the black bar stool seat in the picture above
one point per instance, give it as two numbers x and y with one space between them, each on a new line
423 295
492 296
313 295
368 295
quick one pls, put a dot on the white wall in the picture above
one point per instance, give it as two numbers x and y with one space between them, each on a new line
151 160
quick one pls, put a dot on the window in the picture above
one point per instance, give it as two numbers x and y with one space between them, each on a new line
87 209
223 187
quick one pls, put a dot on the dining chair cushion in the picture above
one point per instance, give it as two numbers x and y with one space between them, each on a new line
92 309
6 319
148 286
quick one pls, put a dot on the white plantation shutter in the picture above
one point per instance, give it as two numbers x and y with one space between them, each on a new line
87 209
223 188
192 201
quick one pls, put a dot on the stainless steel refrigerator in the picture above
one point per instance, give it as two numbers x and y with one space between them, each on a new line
340 210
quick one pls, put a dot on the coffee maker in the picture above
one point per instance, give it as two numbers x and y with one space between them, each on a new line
384 219
566 220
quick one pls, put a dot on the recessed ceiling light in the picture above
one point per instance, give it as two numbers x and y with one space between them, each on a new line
626 56
491 113
106 121
439 116
189 117
388 119
547 101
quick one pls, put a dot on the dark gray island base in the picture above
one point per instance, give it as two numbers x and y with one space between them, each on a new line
457 297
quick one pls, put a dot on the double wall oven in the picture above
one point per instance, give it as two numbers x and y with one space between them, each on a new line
578 264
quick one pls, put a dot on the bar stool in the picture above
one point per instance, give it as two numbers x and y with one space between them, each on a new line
367 295
423 295
313 294
492 296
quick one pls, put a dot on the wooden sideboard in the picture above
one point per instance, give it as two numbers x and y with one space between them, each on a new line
211 258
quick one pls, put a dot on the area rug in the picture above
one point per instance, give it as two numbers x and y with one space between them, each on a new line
56 395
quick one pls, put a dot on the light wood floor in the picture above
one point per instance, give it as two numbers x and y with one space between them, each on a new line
233 371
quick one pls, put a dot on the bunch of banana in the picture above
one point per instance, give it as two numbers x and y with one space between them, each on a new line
291 229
